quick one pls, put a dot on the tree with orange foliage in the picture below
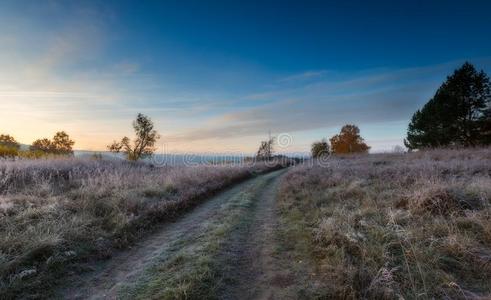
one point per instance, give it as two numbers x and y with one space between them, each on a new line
348 141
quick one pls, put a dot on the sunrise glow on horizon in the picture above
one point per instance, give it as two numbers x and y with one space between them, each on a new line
222 78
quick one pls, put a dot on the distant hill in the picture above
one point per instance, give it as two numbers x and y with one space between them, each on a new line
24 147
175 159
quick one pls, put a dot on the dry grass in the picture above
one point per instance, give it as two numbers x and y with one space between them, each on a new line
394 225
57 213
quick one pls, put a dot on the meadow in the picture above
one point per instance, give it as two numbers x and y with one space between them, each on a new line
58 213
373 226
392 226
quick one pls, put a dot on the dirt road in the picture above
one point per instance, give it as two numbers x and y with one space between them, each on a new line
252 260
224 248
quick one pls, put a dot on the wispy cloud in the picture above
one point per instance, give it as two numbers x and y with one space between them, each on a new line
57 85
72 79
367 97
127 68
304 76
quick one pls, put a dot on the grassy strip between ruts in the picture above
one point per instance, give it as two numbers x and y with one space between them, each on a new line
191 269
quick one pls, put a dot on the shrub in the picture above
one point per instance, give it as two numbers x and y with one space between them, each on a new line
8 152
320 149
9 141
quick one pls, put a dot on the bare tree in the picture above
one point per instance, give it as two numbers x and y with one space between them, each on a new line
144 143
265 151
398 149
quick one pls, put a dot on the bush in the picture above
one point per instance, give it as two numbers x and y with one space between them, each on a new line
319 149
33 154
8 152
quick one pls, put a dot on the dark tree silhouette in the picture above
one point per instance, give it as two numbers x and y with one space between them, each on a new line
348 141
43 145
320 148
9 141
62 144
144 143
458 114
9 148
265 150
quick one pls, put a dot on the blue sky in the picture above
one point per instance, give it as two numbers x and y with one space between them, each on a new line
216 76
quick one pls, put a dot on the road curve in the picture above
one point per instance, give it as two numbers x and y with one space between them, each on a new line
125 268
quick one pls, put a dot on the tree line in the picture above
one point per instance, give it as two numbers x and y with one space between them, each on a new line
60 144
348 141
143 145
459 114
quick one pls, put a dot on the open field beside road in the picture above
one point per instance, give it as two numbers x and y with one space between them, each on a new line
56 214
386 226
378 226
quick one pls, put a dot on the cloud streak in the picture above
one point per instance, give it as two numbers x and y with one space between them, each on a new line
303 76
369 97
73 79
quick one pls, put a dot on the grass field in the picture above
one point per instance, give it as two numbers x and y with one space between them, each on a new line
379 226
57 213
386 226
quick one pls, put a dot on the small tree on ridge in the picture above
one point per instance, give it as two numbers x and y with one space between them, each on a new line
144 143
265 150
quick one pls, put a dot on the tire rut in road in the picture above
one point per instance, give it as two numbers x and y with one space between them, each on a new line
253 265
